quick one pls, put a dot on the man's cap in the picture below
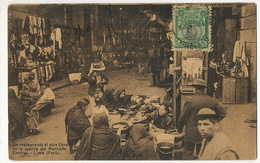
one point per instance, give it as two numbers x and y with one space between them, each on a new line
198 82
207 113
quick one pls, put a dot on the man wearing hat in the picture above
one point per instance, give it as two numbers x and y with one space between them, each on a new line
97 65
215 144
192 138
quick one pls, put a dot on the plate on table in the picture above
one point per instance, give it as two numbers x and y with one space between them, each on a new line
122 125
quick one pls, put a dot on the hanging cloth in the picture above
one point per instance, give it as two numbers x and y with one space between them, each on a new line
53 39
43 27
58 37
26 28
245 62
39 26
237 51
31 24
34 24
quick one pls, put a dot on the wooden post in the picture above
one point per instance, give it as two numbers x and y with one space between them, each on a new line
205 68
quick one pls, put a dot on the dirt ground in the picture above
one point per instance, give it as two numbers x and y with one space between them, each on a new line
52 129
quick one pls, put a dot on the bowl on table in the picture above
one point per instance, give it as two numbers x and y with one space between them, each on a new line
123 125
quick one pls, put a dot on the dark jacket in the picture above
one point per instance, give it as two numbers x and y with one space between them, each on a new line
139 146
76 122
190 109
16 116
156 63
99 142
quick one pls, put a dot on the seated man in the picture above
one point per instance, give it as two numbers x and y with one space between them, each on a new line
161 118
46 100
215 144
48 95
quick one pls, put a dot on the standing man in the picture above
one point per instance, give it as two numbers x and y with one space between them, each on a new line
141 59
215 144
156 64
192 138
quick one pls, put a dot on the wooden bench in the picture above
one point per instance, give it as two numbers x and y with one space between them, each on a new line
43 109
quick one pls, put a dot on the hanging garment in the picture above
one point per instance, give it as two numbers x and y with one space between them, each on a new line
48 27
39 26
30 25
58 36
34 24
47 72
245 62
237 51
50 71
43 27
18 27
53 39
39 73
43 72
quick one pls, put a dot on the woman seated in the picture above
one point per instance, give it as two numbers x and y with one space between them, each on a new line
31 89
161 118
99 142
108 99
119 99
76 123
139 146
96 80
16 117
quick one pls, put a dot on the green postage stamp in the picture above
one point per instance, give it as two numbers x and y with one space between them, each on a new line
191 28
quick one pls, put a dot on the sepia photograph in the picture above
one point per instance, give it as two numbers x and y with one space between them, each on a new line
131 81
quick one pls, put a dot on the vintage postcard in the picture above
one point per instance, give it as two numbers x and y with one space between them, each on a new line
137 81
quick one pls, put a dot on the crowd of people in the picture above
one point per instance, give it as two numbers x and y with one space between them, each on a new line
92 137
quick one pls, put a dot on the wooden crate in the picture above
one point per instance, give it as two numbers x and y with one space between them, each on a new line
234 90
228 90
241 90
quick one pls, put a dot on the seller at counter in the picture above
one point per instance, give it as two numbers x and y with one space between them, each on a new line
161 118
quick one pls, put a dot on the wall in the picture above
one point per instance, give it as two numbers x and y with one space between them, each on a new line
248 35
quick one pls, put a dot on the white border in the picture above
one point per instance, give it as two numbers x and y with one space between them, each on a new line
3 62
